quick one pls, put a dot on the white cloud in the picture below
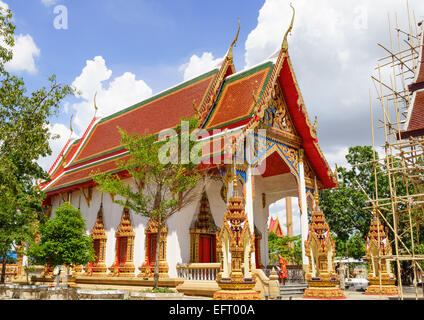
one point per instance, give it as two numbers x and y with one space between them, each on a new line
278 209
4 6
25 52
199 65
55 144
333 48
119 93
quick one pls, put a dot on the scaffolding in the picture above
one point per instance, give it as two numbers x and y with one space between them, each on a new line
400 206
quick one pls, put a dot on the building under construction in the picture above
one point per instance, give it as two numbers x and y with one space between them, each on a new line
398 85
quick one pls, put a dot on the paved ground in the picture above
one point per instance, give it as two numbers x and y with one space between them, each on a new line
351 294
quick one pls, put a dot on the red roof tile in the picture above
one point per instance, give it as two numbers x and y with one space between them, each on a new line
236 100
151 117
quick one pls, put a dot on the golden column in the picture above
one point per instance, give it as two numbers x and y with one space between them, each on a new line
235 244
381 279
320 249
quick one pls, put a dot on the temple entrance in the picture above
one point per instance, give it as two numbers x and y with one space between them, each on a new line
152 247
203 235
96 247
258 238
122 247
207 248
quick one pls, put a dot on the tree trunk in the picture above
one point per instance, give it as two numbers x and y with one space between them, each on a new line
3 269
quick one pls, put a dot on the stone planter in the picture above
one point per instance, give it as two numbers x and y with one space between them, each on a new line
156 296
27 292
62 293
100 294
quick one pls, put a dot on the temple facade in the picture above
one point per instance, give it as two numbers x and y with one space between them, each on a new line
285 161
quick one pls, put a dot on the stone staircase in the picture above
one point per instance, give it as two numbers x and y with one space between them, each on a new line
290 290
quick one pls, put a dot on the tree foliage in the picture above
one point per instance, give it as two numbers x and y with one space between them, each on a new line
281 246
161 187
63 240
24 136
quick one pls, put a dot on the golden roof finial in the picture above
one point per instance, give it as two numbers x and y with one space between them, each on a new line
285 45
316 195
95 104
230 51
374 212
70 125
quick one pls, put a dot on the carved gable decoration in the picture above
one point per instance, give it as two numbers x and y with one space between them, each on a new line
98 231
204 222
125 228
277 116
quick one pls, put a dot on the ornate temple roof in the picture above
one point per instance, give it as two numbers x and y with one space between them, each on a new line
224 100
414 125
274 226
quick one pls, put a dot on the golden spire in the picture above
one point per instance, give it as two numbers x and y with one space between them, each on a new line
285 45
230 51
95 105
316 196
70 125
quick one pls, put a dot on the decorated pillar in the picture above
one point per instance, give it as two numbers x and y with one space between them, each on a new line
98 234
289 219
321 276
124 248
147 269
235 245
380 277
249 205
303 208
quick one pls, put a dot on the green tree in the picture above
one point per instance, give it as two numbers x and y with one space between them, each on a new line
24 136
164 183
281 246
353 247
343 206
63 240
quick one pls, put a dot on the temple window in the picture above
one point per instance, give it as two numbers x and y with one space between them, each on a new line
123 265
150 247
203 235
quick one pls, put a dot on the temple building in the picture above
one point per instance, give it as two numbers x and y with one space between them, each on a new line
267 97
274 226
414 125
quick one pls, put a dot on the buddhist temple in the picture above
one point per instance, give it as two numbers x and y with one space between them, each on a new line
414 125
274 226
284 162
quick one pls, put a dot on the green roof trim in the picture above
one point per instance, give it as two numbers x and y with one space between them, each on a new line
237 77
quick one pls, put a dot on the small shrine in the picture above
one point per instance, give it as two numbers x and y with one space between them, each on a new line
380 277
235 244
322 279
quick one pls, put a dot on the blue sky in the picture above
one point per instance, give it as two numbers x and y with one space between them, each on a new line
128 50
149 38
